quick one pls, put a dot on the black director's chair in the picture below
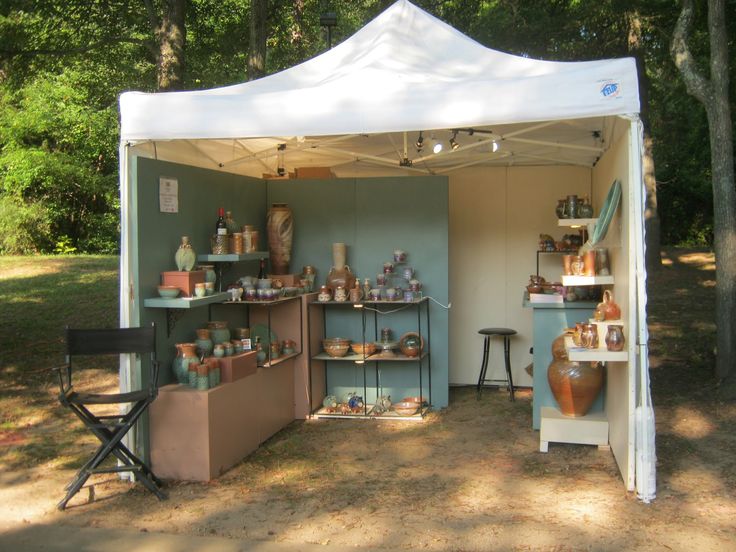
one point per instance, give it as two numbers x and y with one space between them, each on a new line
110 429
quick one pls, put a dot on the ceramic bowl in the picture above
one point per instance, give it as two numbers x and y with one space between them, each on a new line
362 349
336 346
168 292
404 408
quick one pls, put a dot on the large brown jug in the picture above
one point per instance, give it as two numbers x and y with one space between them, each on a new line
575 385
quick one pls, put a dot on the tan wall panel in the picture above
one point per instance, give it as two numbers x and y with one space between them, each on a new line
496 216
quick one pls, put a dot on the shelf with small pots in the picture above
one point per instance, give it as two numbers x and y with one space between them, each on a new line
376 357
370 412
232 257
576 222
184 302
599 354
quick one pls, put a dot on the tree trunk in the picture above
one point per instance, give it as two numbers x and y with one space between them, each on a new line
257 45
713 94
653 258
171 37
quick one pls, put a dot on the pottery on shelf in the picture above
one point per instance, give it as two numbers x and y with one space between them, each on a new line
219 332
204 342
185 256
280 229
575 385
609 309
615 337
186 354
340 274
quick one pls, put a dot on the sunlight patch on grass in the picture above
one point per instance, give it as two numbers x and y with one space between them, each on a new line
702 260
691 424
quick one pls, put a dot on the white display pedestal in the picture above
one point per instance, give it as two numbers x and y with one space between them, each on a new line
591 429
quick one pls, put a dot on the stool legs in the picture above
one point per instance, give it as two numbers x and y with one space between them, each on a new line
507 358
483 365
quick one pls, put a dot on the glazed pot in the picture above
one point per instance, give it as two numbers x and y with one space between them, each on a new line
575 385
615 337
204 342
610 310
219 332
186 354
589 336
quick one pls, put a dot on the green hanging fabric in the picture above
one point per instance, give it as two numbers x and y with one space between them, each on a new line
606 214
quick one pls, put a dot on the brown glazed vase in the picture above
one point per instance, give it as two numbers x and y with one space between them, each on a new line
575 385
280 229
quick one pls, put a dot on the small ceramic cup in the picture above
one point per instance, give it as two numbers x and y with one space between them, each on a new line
375 294
199 289
209 288
341 294
219 350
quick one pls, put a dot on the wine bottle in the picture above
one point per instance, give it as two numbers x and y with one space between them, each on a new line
221 226
262 270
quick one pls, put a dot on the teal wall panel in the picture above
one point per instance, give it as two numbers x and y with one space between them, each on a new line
372 216
201 193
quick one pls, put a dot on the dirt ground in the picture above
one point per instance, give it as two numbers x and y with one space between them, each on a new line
467 478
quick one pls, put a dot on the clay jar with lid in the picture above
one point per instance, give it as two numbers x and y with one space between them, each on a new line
219 332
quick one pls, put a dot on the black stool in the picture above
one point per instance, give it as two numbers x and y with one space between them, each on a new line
487 334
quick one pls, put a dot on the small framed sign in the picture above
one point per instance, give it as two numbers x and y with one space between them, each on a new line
168 194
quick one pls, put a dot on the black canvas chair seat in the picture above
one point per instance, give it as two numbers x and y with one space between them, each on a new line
110 429
97 398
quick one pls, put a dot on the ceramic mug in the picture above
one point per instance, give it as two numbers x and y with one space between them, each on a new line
341 294
399 255
391 294
199 289
209 288
375 294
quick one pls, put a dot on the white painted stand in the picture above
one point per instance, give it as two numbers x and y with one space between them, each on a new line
591 429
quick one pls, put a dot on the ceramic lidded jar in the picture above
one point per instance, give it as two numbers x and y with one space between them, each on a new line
219 332
185 256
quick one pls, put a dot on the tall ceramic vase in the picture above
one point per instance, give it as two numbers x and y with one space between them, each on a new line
575 385
280 229
340 274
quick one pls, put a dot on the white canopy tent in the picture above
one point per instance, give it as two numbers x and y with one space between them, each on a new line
360 107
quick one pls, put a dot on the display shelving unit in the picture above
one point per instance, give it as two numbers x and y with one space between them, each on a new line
376 359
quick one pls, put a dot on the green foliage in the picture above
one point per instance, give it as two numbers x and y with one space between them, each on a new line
24 227
64 64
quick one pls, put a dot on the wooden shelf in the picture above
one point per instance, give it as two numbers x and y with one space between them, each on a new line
576 222
587 280
232 257
368 413
372 358
600 354
184 302
279 360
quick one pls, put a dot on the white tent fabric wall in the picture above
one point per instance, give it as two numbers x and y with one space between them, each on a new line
365 101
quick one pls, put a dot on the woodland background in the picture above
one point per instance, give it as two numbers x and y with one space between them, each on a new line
64 64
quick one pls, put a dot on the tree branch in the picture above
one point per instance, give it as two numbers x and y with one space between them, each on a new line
697 85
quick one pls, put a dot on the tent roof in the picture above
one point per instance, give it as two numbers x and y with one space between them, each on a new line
404 71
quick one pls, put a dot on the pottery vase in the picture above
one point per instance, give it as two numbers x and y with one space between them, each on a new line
185 256
615 337
610 310
280 229
219 332
232 226
204 342
560 209
585 209
186 354
575 385
340 274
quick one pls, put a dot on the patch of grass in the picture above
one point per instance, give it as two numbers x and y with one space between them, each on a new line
40 296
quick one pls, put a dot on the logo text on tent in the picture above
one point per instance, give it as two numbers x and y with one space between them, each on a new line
610 89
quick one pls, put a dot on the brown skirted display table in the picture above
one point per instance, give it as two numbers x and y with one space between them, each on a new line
198 435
